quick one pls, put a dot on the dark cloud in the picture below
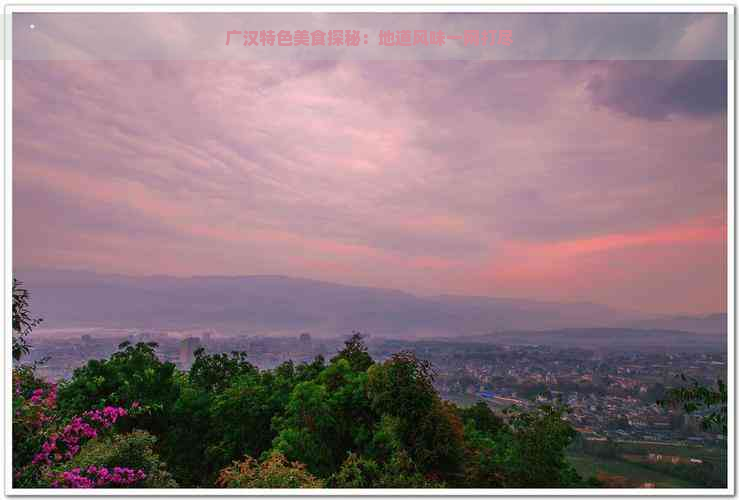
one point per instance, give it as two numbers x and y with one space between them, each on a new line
654 90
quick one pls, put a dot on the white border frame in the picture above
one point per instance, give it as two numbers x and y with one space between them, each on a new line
333 6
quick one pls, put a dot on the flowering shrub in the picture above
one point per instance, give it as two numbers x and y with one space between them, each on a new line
65 445
117 452
98 477
34 400
80 454
34 413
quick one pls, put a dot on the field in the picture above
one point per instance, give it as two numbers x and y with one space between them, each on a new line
713 454
588 466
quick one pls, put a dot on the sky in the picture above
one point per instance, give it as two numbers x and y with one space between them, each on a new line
577 180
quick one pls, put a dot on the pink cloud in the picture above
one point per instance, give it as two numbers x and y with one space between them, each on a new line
414 175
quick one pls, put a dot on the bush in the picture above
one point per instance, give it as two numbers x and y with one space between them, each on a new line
133 451
274 472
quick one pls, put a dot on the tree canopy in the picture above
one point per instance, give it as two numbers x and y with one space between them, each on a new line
133 420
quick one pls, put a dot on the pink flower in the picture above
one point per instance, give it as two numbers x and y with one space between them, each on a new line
72 434
98 477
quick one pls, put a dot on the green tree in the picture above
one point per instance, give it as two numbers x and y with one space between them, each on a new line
242 417
397 472
429 430
354 418
214 372
482 418
306 430
189 432
697 397
355 352
133 374
23 322
531 451
215 422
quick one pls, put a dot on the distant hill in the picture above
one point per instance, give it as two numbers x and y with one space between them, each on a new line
713 324
623 339
261 304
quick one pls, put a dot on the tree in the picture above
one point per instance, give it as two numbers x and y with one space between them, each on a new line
190 433
306 431
214 372
482 418
355 352
23 323
402 386
531 450
354 418
351 423
241 419
700 398
214 423
133 374
274 472
429 430
363 472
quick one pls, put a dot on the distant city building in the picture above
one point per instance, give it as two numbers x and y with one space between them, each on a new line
305 341
206 337
322 350
188 347
86 339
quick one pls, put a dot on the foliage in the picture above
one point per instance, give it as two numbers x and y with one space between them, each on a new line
23 322
482 418
133 451
326 418
428 429
362 472
209 429
50 465
273 472
533 451
308 421
34 413
351 423
698 398
355 352
98 477
527 452
132 374
64 445
213 372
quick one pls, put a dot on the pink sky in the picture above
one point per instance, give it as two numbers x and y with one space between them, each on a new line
567 181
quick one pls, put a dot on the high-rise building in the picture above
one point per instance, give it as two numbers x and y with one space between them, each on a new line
188 347
305 342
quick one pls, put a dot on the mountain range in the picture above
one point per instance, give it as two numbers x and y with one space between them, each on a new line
273 304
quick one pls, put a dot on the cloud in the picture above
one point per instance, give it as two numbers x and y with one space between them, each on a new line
537 36
407 174
659 89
